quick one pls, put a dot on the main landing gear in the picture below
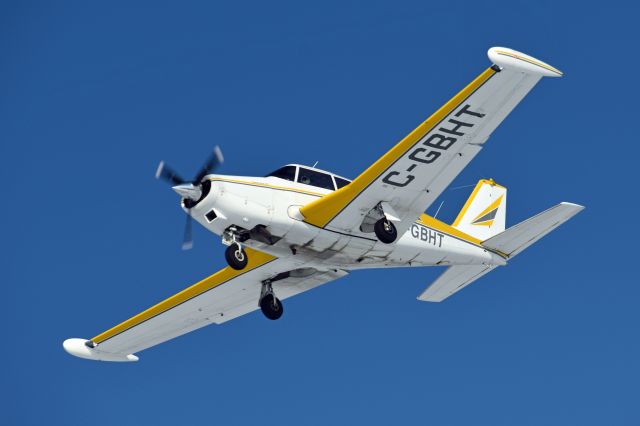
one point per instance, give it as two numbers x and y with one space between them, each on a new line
270 305
385 231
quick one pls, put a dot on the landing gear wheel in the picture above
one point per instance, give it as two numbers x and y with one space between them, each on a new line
271 307
236 256
385 231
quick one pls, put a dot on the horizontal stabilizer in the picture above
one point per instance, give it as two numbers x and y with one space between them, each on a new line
454 279
519 237
510 243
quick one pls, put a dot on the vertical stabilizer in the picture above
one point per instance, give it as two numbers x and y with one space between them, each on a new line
485 212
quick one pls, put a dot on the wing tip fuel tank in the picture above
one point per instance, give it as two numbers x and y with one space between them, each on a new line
512 59
78 347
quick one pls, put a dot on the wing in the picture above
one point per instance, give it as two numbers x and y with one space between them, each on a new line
223 296
411 176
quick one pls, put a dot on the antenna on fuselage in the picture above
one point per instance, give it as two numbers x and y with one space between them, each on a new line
438 211
461 187
315 164
455 188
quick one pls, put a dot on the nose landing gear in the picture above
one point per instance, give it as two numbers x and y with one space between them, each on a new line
236 256
269 304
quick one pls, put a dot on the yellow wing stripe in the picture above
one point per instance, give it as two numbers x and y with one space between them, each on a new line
322 211
255 259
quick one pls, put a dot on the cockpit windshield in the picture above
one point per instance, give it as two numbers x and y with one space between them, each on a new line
313 177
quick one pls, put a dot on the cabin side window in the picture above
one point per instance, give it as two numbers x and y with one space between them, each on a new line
314 178
286 173
341 182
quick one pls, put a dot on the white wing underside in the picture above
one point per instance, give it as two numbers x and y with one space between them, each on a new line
224 302
495 99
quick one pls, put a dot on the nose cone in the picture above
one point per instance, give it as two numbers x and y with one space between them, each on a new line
187 190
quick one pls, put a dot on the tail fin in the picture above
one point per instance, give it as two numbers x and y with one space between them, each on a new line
484 213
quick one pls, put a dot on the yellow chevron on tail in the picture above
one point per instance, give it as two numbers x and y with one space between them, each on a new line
484 213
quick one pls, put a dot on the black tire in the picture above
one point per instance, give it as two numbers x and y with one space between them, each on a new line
385 231
271 307
236 257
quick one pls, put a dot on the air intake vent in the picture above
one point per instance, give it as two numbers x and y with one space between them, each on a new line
211 216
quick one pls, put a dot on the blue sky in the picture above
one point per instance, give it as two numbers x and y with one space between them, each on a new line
94 95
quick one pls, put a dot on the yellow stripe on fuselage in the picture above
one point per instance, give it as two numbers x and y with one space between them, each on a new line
265 185
321 212
438 225
255 259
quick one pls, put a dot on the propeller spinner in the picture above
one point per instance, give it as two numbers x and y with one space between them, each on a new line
191 192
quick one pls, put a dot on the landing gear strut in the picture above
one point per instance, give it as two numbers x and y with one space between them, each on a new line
385 231
236 256
269 304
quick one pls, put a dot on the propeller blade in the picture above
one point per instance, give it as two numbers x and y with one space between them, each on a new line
187 242
164 172
190 192
214 160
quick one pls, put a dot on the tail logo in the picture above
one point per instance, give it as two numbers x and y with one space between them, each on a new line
487 216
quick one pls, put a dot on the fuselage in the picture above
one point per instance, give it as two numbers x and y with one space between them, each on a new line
274 203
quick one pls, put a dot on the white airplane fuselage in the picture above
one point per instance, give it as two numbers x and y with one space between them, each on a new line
274 203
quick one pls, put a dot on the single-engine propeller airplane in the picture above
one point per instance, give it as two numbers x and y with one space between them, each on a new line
300 227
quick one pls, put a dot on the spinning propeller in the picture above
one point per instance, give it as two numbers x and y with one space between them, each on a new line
190 191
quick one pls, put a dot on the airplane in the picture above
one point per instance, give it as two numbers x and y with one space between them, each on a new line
301 227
